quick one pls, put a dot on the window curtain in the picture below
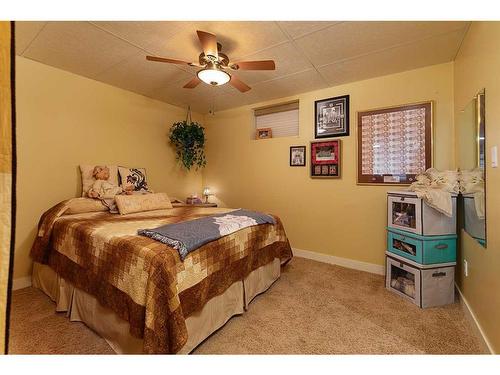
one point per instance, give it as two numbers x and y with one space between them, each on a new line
6 175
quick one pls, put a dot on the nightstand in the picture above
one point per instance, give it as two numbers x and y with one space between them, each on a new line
194 205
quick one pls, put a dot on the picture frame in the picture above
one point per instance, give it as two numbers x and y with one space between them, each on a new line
382 134
331 117
264 133
297 156
326 158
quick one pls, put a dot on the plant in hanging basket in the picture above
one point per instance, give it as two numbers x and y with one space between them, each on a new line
188 139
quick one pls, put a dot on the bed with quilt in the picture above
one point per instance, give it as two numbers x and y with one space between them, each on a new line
145 293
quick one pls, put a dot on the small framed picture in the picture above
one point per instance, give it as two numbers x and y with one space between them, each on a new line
297 156
264 133
331 117
325 159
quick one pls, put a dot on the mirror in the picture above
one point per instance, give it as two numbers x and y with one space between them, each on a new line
470 140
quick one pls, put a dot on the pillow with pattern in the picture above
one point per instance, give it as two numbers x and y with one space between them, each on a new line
135 177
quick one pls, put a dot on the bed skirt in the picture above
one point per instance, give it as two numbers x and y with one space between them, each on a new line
83 307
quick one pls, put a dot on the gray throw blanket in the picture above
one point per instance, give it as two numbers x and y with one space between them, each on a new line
190 235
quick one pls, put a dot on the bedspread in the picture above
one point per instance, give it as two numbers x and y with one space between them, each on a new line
144 281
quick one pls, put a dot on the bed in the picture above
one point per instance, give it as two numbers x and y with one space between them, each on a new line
135 291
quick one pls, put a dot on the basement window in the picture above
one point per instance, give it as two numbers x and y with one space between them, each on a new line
279 120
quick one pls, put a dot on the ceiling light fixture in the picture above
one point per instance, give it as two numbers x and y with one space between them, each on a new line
213 64
214 76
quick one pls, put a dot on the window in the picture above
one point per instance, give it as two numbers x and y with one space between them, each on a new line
281 120
394 144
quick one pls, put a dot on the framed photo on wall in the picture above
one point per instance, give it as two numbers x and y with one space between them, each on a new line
326 159
264 133
394 143
331 117
297 156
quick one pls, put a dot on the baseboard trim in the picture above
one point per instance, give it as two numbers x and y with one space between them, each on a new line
474 322
21 282
339 261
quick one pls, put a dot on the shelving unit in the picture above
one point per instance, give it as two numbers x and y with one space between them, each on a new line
421 250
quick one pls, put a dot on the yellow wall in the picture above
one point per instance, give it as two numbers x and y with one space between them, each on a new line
335 216
64 120
5 173
477 67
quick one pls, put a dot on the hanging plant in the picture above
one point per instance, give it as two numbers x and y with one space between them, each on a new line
188 138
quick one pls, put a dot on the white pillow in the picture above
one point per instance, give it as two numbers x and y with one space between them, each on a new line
83 205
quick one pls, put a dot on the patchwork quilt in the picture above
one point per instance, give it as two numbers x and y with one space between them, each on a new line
144 281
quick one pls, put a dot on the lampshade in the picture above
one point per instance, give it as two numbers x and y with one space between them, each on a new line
206 191
213 76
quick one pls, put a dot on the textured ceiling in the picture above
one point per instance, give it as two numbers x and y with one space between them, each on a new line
308 55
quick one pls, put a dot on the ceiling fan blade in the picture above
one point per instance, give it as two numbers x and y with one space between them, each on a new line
254 65
208 43
165 60
239 84
193 83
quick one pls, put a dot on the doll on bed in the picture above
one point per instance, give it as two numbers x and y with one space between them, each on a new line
102 188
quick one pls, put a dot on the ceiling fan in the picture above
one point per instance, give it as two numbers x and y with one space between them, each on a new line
214 64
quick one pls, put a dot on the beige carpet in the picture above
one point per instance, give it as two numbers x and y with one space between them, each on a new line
314 308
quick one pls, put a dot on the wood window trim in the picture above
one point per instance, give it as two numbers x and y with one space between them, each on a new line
275 108
406 179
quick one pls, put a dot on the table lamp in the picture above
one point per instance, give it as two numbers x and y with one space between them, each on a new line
206 193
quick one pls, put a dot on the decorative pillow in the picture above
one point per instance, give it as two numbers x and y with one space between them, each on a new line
82 205
135 177
88 180
128 204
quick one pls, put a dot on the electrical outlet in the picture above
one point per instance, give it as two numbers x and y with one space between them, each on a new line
466 268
